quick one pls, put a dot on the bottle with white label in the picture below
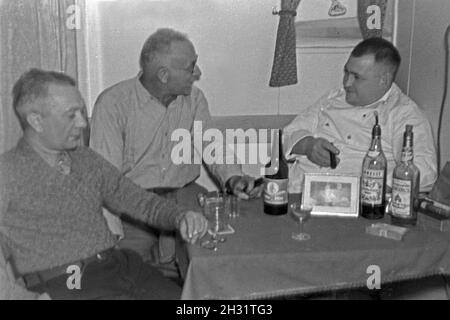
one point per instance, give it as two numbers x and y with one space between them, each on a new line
373 179
405 184
276 182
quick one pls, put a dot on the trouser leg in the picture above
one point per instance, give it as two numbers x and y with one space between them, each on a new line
122 275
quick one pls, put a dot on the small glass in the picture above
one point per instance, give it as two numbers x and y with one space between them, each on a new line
215 213
233 206
303 213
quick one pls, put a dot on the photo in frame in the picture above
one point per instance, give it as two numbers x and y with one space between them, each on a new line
331 194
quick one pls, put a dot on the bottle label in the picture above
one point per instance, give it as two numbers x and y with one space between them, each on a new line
276 191
372 187
401 198
373 154
407 155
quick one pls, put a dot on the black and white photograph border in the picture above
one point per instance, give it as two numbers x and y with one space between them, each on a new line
332 194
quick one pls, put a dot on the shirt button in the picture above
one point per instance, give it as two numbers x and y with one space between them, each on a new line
349 137
327 124
364 115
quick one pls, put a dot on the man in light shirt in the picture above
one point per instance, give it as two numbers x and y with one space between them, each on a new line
132 124
341 121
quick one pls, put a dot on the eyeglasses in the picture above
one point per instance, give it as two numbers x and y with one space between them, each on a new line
190 70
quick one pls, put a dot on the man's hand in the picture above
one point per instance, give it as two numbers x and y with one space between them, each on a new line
244 187
317 150
192 226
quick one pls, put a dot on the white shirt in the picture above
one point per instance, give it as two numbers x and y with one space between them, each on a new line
349 128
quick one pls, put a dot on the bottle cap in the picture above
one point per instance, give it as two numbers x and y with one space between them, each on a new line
409 133
409 128
376 131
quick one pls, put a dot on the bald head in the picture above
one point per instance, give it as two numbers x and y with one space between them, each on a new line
159 44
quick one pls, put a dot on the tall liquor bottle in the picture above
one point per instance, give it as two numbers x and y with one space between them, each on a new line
373 180
405 184
276 179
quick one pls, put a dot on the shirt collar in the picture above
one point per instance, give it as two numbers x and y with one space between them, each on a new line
58 160
142 93
145 96
383 99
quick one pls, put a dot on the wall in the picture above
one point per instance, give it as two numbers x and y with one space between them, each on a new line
318 9
420 36
235 40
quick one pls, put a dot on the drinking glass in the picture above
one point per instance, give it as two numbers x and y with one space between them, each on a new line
233 206
214 211
303 213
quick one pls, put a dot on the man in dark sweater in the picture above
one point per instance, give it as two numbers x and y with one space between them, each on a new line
51 197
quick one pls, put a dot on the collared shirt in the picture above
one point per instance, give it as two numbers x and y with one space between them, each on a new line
349 128
132 129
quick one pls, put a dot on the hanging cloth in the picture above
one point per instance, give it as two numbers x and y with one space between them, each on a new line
284 70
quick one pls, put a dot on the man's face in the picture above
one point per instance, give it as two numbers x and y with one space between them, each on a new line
64 121
183 69
365 81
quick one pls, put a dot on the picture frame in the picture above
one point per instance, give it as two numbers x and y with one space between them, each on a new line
332 194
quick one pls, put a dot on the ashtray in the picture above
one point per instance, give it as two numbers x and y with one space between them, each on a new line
386 231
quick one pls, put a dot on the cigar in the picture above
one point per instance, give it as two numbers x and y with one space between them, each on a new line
258 182
332 160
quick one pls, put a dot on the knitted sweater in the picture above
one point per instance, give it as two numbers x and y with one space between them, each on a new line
10 289
48 219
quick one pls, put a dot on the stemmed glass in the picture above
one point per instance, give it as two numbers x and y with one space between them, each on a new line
303 213
214 209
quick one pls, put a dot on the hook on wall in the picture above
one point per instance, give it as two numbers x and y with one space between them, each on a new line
275 11
336 9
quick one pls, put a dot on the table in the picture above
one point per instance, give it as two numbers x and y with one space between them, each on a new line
261 261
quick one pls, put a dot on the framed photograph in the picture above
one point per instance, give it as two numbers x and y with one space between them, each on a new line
331 194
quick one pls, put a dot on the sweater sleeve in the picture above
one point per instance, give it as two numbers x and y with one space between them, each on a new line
122 196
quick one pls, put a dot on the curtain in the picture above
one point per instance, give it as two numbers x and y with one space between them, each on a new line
284 70
33 33
371 14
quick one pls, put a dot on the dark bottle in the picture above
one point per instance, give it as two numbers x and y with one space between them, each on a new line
276 179
373 179
405 184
